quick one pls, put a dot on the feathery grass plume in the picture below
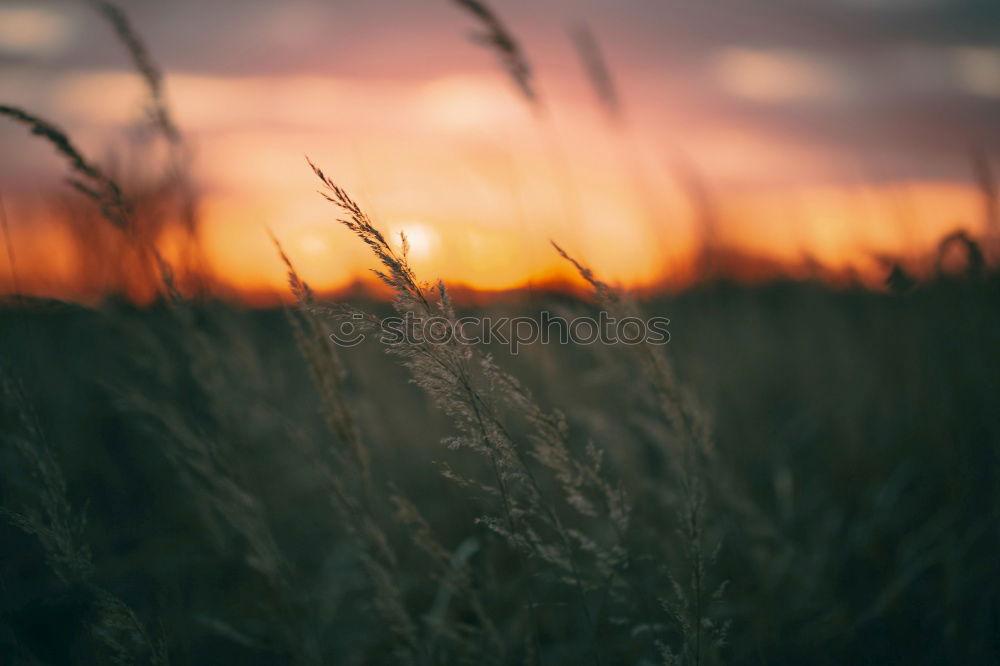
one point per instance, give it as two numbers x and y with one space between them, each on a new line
469 387
598 73
160 117
498 38
692 455
92 181
59 529
325 367
158 110
453 363
98 187
373 548
374 551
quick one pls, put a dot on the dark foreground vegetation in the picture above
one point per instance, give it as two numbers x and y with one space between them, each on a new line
803 475
214 511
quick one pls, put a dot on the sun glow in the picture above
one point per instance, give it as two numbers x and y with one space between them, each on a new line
478 183
420 239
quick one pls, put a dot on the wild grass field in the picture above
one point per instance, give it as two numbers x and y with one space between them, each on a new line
803 475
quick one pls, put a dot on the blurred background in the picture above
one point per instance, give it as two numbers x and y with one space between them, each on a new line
821 135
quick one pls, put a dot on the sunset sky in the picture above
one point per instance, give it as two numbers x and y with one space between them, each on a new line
833 129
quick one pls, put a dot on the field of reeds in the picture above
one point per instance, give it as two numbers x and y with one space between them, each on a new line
803 475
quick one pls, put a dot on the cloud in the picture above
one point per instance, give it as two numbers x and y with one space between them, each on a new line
32 31
780 76
977 70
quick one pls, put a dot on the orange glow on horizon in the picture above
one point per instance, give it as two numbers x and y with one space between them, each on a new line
834 227
478 183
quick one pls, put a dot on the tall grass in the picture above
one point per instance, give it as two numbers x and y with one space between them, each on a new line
691 456
539 477
280 500
166 195
496 36
115 632
161 119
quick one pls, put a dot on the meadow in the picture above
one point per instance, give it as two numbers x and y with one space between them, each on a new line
805 474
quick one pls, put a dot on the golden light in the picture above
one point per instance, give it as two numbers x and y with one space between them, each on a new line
465 103
479 182
313 244
421 238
